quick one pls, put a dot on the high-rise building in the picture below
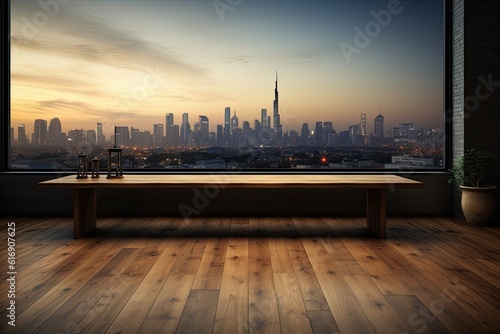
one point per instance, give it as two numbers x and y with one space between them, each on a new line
362 125
169 121
234 122
405 128
21 135
40 132
99 133
246 130
279 134
328 133
185 130
144 138
412 133
158 134
11 136
76 137
204 126
343 138
90 137
134 136
304 134
173 135
220 135
55 131
318 133
227 123
353 134
122 136
257 126
263 118
237 137
419 133
276 114
379 126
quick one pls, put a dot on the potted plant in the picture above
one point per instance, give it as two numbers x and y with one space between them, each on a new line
478 199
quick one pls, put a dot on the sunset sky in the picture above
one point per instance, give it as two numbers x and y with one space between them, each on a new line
128 62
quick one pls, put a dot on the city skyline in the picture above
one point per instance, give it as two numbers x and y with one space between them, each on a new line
161 137
90 55
271 123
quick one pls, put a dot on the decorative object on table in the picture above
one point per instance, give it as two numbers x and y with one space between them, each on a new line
478 199
82 163
95 168
115 162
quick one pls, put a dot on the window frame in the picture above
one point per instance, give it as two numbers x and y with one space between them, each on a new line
5 124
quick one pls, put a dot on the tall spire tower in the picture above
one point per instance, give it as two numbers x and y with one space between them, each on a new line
276 115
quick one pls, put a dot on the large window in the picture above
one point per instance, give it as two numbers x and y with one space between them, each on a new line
228 84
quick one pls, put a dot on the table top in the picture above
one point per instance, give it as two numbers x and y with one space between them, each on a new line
234 180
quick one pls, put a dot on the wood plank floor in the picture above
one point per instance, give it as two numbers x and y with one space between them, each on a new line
253 275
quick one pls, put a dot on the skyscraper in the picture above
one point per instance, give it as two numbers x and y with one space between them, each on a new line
362 125
185 130
379 126
173 135
169 121
227 123
158 134
134 136
328 133
318 133
204 125
304 134
234 122
100 135
40 132
55 131
246 130
276 114
122 136
21 135
257 126
405 129
263 118
353 134
220 134
76 137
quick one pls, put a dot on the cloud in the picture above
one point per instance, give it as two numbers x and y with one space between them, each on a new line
242 59
85 37
83 110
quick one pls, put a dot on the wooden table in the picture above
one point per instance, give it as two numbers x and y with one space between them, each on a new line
375 185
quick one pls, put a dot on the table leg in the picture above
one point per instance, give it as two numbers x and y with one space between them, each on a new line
376 212
84 212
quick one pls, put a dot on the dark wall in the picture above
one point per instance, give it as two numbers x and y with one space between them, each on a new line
19 195
481 118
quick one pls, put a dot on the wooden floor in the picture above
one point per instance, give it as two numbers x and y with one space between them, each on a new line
253 275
